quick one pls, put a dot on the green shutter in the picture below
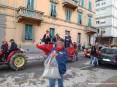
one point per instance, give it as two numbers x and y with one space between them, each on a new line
30 4
52 32
82 3
89 21
75 1
79 18
28 32
68 15
53 10
90 5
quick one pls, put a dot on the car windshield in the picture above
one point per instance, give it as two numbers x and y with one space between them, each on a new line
109 51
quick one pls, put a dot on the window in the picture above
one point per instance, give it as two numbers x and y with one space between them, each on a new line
68 14
75 1
90 5
90 21
28 32
98 0
97 22
97 4
81 3
67 32
103 3
53 10
52 32
30 4
79 37
79 18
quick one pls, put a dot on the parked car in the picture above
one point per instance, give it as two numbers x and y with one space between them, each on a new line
108 56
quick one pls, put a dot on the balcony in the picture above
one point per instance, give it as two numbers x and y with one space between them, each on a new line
54 1
29 16
70 4
91 30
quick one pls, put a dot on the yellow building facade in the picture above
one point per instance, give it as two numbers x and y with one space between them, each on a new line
26 21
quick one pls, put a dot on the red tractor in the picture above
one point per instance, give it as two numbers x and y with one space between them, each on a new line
15 59
72 51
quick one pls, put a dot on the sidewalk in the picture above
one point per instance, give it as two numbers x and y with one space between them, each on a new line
112 82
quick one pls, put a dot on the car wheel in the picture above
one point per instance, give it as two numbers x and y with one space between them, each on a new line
18 62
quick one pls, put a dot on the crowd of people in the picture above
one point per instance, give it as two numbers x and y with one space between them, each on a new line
62 55
59 52
47 38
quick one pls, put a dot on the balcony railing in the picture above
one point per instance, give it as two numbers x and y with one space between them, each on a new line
91 30
70 4
27 15
54 1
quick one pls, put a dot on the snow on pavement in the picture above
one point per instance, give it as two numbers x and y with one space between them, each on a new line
73 78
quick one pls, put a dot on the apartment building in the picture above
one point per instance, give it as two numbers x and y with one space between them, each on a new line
106 21
26 21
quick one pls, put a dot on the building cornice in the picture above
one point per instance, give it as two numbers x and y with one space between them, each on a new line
104 17
115 27
107 7
104 7
8 7
109 16
104 26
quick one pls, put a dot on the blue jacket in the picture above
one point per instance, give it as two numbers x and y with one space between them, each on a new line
13 46
62 58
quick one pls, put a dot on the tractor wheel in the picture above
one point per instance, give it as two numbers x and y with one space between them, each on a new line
18 62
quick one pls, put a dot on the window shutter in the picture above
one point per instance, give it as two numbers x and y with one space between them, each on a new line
79 18
66 14
28 32
51 9
90 5
69 15
30 4
90 21
82 3
54 10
